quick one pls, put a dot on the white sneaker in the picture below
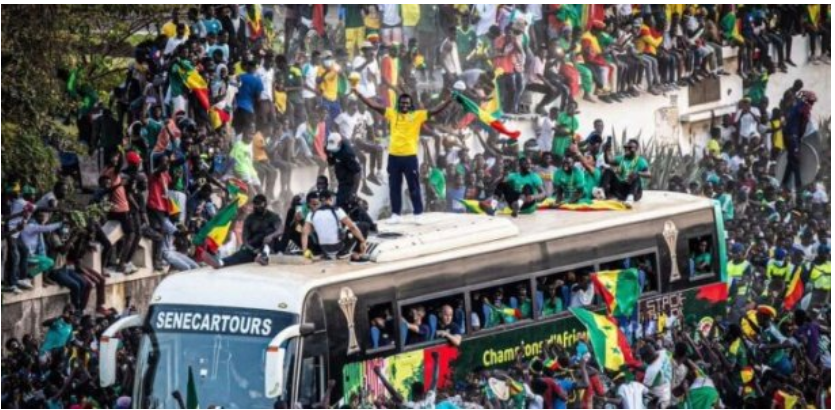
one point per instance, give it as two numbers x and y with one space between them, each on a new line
630 201
12 289
394 219
130 268
25 284
598 193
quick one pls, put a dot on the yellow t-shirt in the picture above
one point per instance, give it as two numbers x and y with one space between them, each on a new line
330 83
405 131
411 14
714 148
280 101
170 30
777 134
372 19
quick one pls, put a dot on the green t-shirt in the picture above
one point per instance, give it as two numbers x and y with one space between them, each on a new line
727 205
519 181
562 140
627 166
569 184
150 132
526 309
466 42
552 307
353 16
701 259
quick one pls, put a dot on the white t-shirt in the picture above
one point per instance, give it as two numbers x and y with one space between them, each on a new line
632 394
391 14
449 57
748 123
369 77
582 297
310 74
545 133
347 123
326 226
486 18
172 45
267 77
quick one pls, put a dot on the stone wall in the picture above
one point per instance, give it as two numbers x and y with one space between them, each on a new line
26 315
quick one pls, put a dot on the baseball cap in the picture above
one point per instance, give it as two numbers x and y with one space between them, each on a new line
766 310
737 248
780 254
133 158
366 44
334 142
594 139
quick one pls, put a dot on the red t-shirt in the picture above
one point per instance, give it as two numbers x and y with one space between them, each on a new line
158 191
118 198
554 391
595 389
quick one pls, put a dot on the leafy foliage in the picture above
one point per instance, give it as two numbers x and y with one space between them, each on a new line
38 43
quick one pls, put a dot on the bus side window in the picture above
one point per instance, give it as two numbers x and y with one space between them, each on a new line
381 326
501 305
559 291
647 265
422 321
700 254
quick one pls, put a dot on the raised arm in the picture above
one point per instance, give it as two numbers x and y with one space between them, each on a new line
436 371
398 399
370 104
440 107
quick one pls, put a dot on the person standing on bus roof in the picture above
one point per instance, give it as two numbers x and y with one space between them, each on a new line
343 159
404 127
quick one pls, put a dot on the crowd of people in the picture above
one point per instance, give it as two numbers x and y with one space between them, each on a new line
221 102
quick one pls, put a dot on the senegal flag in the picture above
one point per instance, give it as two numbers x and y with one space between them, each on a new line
595 205
213 235
608 342
784 400
794 292
194 82
620 290
489 119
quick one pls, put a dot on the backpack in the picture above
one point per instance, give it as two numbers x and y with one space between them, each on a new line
340 227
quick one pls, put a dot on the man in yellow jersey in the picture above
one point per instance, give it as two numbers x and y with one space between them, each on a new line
404 127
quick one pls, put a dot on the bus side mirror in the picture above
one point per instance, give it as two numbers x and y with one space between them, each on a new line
306 329
274 376
109 346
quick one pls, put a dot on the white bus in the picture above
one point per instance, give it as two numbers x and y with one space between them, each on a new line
259 336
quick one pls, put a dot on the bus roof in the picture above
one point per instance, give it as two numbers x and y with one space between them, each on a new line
284 286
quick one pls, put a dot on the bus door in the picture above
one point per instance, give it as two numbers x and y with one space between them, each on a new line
314 356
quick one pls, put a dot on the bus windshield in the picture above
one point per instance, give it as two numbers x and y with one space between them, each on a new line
207 357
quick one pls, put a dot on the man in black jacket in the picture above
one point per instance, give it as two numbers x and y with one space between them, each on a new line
347 168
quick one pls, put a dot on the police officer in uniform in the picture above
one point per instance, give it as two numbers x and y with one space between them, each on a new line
820 277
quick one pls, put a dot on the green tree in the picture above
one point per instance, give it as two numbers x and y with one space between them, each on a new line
39 41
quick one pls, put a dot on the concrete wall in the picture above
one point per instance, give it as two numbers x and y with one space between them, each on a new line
25 315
